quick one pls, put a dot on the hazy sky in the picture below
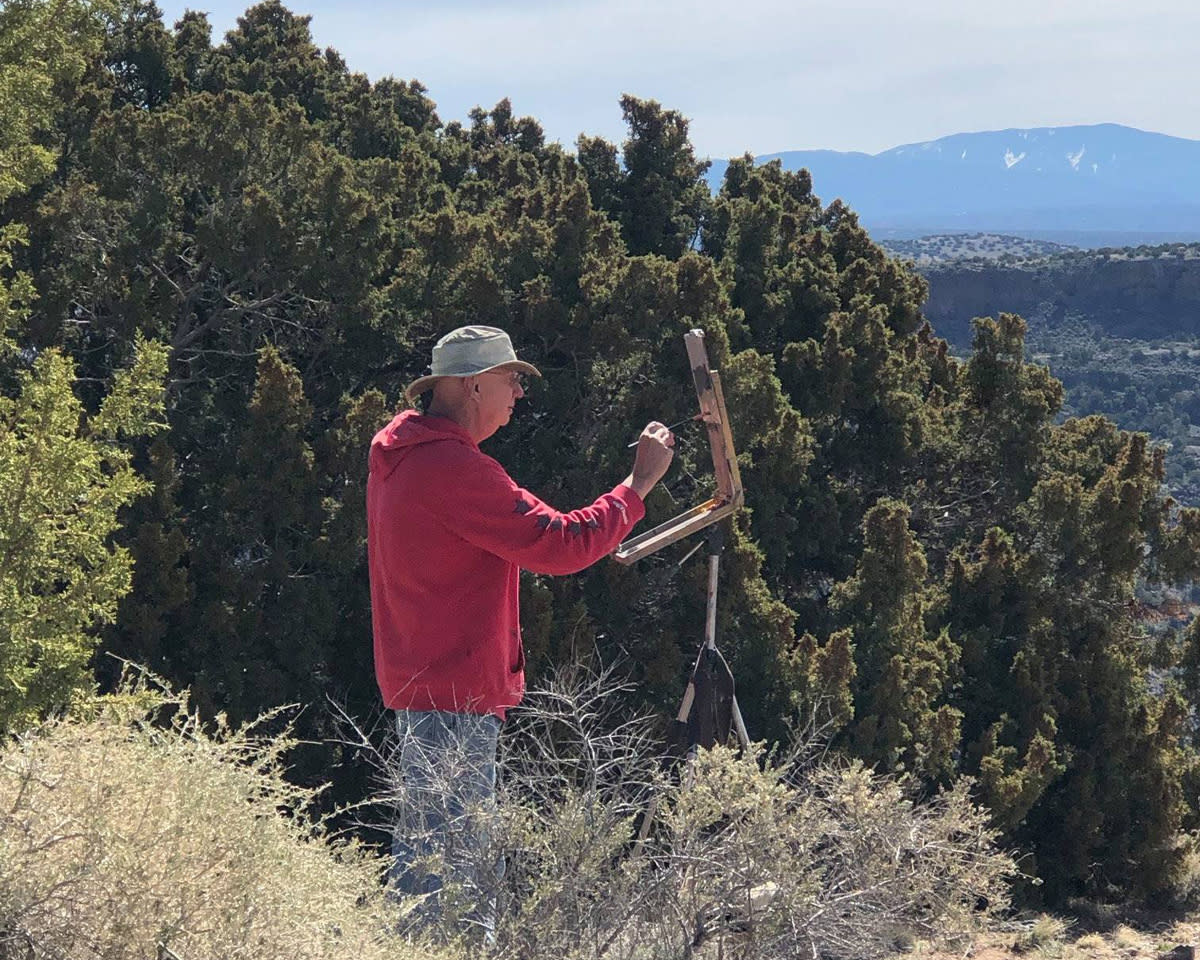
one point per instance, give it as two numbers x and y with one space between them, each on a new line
770 75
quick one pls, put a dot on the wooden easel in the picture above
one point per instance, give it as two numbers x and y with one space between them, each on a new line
728 498
729 495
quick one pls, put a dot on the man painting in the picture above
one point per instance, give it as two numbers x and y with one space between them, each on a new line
448 533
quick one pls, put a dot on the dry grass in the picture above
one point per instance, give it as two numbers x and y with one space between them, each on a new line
1126 937
123 840
1149 939
1044 936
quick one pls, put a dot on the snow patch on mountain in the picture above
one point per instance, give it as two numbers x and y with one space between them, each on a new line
1012 159
1074 158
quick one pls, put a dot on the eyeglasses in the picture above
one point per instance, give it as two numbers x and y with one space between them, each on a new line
516 380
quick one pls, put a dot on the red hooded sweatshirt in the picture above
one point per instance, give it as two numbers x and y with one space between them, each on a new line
447 532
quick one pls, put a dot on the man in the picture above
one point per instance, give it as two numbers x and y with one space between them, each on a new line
447 533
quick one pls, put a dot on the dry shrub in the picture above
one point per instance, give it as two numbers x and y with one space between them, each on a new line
1044 934
578 777
1126 937
575 778
123 838
854 866
766 858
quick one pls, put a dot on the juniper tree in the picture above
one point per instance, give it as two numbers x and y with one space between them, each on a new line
906 665
657 194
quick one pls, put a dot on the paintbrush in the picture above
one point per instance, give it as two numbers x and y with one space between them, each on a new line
672 426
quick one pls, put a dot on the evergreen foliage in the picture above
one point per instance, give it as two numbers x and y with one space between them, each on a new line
62 483
64 475
930 565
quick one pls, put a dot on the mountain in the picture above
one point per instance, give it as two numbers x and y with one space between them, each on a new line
1099 185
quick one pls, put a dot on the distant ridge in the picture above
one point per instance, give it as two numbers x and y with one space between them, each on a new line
1097 185
949 247
1145 293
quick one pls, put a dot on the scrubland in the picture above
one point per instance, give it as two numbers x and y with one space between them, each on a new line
134 831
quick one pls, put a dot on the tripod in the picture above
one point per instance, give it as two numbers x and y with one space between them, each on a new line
709 710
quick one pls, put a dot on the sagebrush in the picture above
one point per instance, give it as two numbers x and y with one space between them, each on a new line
123 838
775 855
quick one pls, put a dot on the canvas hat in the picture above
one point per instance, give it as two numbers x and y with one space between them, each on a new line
468 351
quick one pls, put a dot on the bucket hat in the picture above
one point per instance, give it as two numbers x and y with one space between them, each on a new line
468 351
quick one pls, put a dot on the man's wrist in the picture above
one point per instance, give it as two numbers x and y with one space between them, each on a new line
640 486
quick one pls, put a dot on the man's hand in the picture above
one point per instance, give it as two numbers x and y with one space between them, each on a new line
654 455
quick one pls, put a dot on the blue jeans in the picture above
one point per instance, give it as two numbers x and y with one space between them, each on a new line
446 800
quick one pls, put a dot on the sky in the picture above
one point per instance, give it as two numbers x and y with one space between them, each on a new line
764 76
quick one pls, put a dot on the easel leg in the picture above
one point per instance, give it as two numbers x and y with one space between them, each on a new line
716 543
740 726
